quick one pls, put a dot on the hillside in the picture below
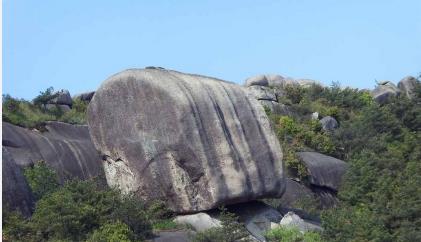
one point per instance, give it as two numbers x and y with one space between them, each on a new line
213 161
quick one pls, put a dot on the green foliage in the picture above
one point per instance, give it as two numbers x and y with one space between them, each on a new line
15 227
44 96
112 232
230 231
33 115
291 234
41 179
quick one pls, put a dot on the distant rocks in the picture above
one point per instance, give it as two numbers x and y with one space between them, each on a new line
329 123
86 96
61 98
384 91
407 86
193 141
324 171
199 221
278 81
293 220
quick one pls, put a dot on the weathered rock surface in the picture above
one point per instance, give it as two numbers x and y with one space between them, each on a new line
258 217
324 171
407 86
15 190
63 108
295 192
62 97
262 93
329 123
196 142
199 221
67 148
266 80
86 96
174 236
384 91
276 108
293 220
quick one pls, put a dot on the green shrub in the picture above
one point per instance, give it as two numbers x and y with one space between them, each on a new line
44 97
287 234
41 179
112 232
16 227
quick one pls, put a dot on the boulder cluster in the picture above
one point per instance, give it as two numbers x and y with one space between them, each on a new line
192 141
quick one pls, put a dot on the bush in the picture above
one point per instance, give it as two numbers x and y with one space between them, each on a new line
287 234
41 179
112 232
230 231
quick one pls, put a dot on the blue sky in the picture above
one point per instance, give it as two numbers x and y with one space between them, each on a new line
77 44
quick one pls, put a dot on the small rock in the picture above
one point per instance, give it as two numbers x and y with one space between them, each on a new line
199 221
293 220
329 123
315 116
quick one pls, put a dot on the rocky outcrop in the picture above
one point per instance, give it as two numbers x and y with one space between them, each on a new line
329 123
407 86
62 98
384 91
323 170
66 148
193 141
15 190
294 193
86 96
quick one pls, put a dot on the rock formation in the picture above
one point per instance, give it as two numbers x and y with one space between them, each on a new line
407 86
384 91
329 123
193 141
66 148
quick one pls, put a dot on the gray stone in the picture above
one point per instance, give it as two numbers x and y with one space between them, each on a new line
407 86
67 148
382 93
262 93
86 96
62 97
324 171
306 83
329 123
269 80
174 236
294 193
51 107
259 80
293 220
258 217
16 194
193 141
276 108
199 221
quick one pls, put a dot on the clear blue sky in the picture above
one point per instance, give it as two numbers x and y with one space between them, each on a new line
77 44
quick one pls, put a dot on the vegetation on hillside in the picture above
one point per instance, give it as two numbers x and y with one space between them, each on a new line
33 114
82 211
380 199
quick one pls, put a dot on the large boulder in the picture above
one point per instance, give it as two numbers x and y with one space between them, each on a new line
384 91
269 80
66 148
329 123
193 141
295 192
16 193
324 171
407 86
